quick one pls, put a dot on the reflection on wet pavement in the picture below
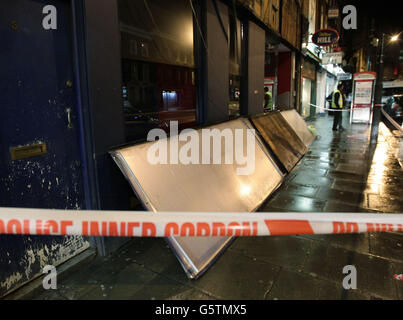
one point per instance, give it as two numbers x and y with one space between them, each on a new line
385 176
342 172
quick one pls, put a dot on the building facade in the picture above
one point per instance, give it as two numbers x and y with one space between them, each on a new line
82 77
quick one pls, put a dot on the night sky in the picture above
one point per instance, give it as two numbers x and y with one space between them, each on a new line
388 14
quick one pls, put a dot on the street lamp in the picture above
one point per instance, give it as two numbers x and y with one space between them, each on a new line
394 38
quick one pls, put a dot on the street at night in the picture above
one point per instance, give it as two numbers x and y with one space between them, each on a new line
202 151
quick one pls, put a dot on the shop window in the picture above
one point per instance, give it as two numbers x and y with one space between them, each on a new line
157 65
270 73
307 86
235 51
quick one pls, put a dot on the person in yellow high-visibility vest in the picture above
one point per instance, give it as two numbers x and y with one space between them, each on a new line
268 99
338 104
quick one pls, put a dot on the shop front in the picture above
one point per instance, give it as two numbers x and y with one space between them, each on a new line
109 73
158 67
280 74
309 91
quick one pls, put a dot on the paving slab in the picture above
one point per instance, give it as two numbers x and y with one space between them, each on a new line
346 197
347 185
387 245
384 203
353 242
334 174
311 180
293 250
297 203
299 190
291 285
238 277
374 274
337 206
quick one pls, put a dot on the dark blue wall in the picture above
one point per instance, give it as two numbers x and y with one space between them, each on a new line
37 88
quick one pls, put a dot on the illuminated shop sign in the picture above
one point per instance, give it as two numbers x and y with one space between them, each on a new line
325 37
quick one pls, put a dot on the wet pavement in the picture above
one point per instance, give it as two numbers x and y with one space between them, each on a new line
340 173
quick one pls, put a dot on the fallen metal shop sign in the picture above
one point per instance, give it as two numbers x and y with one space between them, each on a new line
298 124
281 138
332 58
195 187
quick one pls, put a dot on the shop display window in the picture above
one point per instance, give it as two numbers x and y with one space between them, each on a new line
158 68
235 53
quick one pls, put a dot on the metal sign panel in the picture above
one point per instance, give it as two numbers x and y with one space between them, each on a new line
364 76
344 76
361 114
333 13
299 125
332 58
363 92
200 187
281 138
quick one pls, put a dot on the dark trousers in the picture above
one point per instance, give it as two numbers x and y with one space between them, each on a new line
337 121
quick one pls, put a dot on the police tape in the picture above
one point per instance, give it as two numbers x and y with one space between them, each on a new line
189 224
326 109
